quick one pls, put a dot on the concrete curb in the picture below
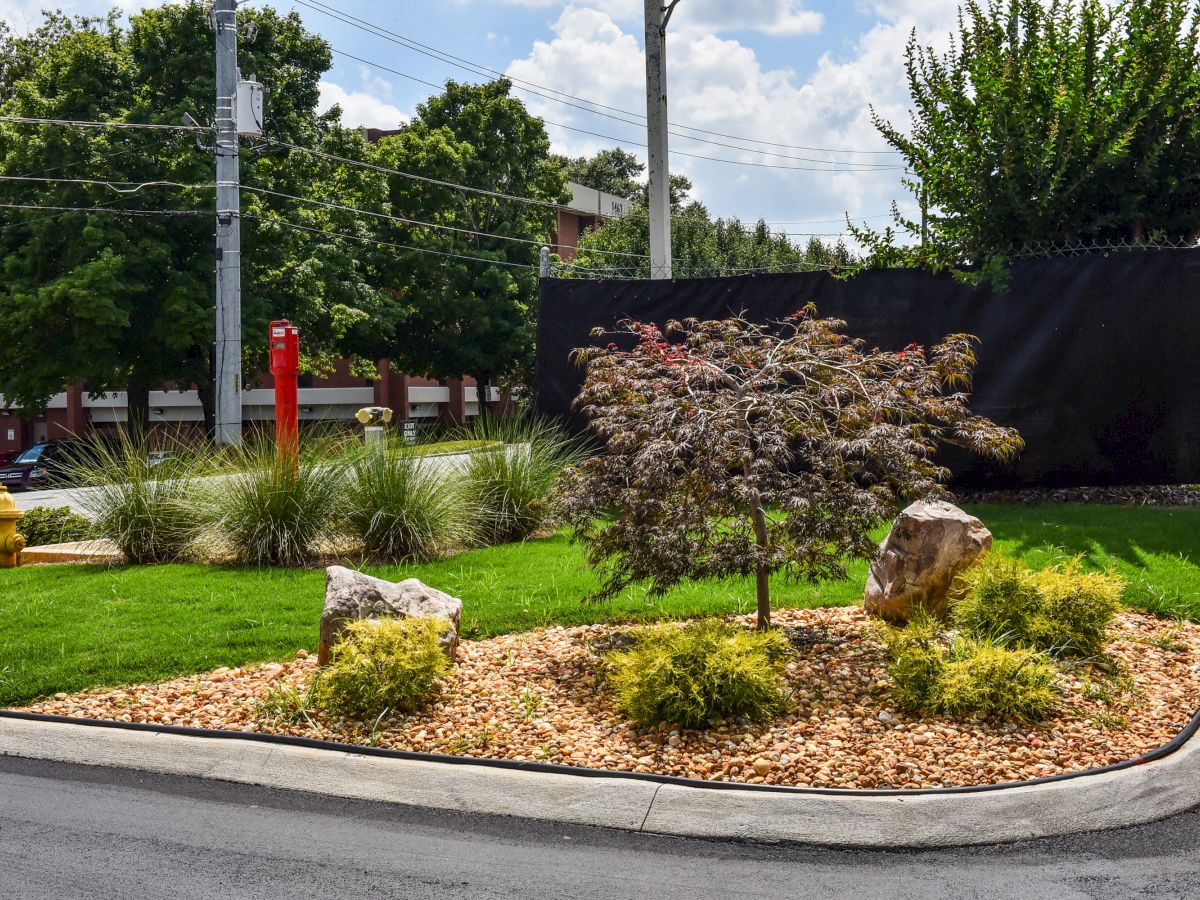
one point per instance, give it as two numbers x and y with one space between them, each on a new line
1094 802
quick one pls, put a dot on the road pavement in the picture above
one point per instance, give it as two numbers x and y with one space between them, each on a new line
76 499
76 831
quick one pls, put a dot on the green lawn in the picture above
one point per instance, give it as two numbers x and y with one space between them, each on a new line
71 627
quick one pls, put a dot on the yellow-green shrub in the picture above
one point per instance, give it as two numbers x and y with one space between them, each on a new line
689 674
1077 608
1061 610
965 677
986 679
918 661
385 665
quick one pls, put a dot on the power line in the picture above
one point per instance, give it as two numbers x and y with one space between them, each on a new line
83 123
424 178
367 240
165 213
863 167
137 186
317 153
105 156
885 215
362 164
406 221
536 89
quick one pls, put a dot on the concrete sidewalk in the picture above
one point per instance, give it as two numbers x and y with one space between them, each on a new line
1094 802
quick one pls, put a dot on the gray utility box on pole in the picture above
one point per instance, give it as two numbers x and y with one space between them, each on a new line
249 107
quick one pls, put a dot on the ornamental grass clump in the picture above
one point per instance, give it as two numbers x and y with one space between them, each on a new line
148 508
735 448
689 674
510 486
273 509
383 666
400 507
1061 610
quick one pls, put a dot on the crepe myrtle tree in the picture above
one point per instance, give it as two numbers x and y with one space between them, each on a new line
735 448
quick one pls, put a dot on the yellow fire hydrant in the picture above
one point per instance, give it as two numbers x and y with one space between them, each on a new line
11 543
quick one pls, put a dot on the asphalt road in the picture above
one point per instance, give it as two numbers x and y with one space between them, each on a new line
76 499
71 831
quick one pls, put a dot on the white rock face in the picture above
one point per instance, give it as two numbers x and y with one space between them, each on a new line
930 543
351 595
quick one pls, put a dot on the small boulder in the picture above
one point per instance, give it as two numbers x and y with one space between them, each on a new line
930 543
351 595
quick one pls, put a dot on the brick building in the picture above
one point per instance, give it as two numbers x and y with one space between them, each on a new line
333 399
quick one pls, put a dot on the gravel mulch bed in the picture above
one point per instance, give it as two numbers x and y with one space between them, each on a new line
1126 495
536 696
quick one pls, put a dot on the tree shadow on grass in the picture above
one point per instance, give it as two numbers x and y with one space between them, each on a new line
1127 533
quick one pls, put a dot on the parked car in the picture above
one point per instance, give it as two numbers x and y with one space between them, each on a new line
44 465
32 468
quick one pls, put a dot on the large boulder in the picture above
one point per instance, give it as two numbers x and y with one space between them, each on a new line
351 595
930 543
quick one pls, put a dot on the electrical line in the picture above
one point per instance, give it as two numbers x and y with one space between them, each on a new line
432 225
137 186
318 153
83 123
534 88
122 152
321 154
166 213
885 215
367 240
424 178
863 167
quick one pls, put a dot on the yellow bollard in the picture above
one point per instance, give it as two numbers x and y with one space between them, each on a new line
11 543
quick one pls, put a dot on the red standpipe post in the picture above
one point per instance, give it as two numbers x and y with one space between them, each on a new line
285 367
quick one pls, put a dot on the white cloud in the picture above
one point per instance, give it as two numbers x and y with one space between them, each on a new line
774 17
360 108
720 84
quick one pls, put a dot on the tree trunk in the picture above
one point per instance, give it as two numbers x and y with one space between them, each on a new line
762 572
482 385
137 395
208 403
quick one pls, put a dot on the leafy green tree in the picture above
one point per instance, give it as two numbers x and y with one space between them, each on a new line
700 245
123 301
472 309
617 171
1050 123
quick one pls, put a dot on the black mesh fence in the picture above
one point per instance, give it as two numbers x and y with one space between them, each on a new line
1094 358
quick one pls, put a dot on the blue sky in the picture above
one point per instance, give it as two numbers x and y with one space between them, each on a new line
799 73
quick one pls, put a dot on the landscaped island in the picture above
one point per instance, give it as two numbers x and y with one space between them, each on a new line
535 696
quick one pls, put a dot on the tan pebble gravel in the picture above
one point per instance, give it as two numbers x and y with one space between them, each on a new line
536 696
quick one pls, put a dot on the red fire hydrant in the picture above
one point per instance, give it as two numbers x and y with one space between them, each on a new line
285 367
